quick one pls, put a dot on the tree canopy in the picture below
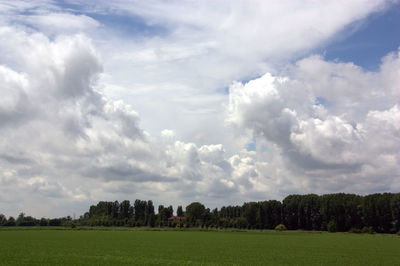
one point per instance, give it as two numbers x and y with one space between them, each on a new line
332 212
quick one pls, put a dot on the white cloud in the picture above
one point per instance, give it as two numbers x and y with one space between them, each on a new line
351 139
168 133
55 23
73 89
61 138
197 49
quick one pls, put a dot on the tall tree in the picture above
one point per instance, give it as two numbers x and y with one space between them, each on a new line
139 210
125 209
3 219
149 214
194 212
395 207
251 213
290 206
179 211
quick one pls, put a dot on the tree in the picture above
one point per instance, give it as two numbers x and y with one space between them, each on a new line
3 219
395 207
309 212
384 211
370 212
332 226
44 222
290 206
125 210
271 213
179 211
342 212
333 208
165 213
250 211
139 210
149 214
241 223
169 212
115 209
20 218
10 222
194 212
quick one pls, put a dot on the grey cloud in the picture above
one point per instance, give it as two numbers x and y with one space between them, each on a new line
12 159
126 172
219 189
79 68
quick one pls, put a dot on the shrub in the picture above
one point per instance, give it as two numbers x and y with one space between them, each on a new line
368 230
332 226
280 227
355 230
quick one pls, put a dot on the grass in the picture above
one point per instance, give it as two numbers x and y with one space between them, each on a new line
141 247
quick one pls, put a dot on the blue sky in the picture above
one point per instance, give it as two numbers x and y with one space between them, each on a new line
377 36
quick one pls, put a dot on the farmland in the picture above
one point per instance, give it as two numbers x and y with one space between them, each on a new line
168 247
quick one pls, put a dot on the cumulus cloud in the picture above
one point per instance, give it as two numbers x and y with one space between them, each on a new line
62 138
192 51
326 118
82 108
56 126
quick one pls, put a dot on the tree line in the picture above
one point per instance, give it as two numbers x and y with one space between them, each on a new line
338 212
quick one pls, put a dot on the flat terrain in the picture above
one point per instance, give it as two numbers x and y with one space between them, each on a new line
123 247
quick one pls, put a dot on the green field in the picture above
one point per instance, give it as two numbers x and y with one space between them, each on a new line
141 247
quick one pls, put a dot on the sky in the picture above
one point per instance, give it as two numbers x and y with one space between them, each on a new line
221 102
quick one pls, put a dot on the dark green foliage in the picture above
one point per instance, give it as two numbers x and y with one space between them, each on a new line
395 207
377 211
368 230
251 213
139 211
43 222
10 222
163 215
270 213
55 222
125 210
338 212
332 226
309 214
149 216
179 211
355 230
3 219
23 220
344 209
195 213
241 223
290 207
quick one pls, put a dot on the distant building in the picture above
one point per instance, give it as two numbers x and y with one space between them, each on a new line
176 218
